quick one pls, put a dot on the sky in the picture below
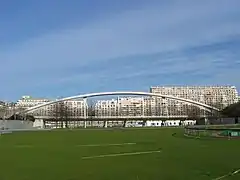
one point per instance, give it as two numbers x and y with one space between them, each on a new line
53 48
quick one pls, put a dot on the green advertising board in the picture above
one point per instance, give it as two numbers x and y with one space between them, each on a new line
230 132
234 133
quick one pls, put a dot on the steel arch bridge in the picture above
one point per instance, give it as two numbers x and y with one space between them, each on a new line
198 104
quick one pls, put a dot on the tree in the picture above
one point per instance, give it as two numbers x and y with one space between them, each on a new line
215 114
157 107
3 110
148 112
194 113
91 112
232 111
61 113
21 117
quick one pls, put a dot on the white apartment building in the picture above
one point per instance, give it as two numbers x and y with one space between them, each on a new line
217 96
75 108
106 108
138 106
28 101
126 106
72 109
131 106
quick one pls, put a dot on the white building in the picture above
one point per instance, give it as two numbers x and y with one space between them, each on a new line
75 108
127 106
105 108
131 106
218 96
28 101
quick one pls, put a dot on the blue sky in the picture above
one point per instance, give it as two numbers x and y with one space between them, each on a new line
53 48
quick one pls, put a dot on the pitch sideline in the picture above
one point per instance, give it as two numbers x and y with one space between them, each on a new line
121 154
227 175
97 145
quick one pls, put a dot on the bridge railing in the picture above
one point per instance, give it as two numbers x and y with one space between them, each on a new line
109 117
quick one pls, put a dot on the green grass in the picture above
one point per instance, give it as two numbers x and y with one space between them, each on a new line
56 155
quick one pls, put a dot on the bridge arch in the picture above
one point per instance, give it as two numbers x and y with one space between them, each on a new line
205 106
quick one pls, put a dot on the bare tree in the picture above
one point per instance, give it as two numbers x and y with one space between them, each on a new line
61 113
3 111
126 112
194 113
214 117
157 106
149 110
91 112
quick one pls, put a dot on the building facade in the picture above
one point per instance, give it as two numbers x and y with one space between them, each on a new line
126 106
216 96
28 101
71 108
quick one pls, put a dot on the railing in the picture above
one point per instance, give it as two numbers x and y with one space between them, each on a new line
112 117
218 131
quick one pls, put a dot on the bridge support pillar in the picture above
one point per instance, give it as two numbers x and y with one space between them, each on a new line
206 121
44 124
125 123
105 124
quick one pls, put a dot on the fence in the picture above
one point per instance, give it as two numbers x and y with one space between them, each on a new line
15 124
220 131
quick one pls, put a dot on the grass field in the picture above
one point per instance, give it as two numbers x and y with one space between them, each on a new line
72 155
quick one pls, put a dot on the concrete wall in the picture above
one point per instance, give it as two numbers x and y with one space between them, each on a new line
15 124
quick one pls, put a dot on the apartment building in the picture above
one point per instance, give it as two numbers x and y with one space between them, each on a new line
28 101
106 108
131 106
75 108
126 106
217 96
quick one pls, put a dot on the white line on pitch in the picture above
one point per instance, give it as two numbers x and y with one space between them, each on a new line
93 145
229 174
120 154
